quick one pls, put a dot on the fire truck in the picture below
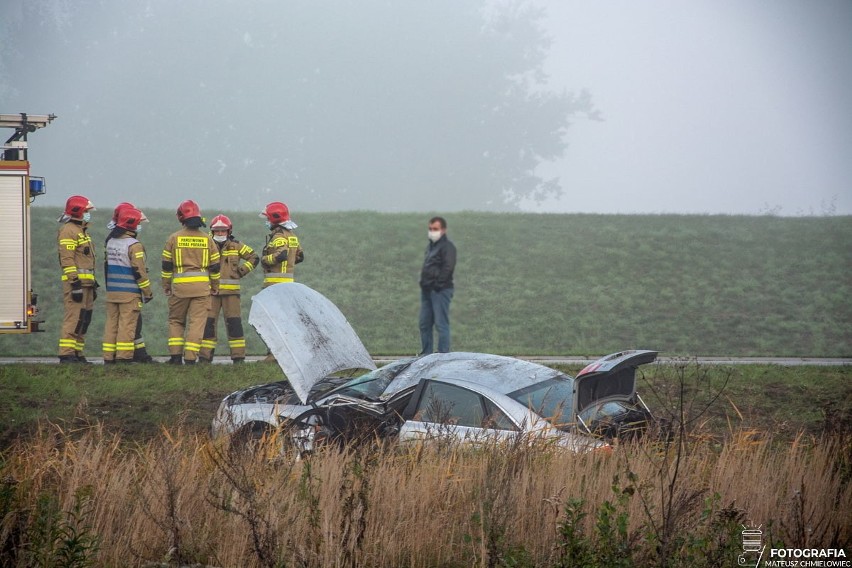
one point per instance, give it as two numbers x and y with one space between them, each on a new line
18 189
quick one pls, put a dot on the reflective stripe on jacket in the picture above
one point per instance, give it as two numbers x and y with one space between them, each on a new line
276 271
191 263
232 252
76 253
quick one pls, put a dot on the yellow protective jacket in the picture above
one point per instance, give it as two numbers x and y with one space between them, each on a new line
279 256
76 253
232 270
126 274
190 266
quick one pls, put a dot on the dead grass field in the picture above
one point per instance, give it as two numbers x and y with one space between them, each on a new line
181 499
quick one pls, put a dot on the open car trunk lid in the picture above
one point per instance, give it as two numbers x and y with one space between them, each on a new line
307 334
612 376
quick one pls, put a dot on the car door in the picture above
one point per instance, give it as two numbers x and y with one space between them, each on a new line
449 411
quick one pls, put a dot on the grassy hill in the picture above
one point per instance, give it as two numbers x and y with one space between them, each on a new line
538 284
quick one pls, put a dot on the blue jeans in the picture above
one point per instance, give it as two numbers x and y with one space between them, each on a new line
435 311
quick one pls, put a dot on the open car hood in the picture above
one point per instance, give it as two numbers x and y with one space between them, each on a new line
613 376
307 334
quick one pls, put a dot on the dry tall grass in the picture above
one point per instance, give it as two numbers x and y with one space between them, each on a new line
181 500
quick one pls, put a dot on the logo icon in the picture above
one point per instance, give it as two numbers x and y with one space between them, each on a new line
753 547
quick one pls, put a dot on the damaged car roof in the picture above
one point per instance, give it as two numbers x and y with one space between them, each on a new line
503 374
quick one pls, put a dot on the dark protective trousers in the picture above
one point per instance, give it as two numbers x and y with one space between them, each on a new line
187 317
75 322
120 330
435 312
229 305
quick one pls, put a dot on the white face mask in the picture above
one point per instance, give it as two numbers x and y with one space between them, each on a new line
220 238
139 228
87 217
268 224
434 236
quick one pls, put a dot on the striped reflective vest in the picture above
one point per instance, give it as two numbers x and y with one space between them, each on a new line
126 275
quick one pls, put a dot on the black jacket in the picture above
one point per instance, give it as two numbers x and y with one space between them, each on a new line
438 265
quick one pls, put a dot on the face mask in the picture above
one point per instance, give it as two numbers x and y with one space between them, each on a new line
269 225
434 236
139 229
220 238
110 225
87 217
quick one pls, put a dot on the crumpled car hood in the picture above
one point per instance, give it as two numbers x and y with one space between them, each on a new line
307 334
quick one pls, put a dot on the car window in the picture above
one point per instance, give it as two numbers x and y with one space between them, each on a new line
602 411
550 399
373 384
496 418
448 404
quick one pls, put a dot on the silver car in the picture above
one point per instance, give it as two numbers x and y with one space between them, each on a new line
459 396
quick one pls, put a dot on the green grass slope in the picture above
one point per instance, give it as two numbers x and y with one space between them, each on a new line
137 400
537 284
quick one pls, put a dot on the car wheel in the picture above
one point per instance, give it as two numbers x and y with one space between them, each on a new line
303 434
250 437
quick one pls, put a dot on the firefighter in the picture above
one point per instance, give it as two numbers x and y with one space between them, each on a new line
282 251
77 260
228 300
190 274
140 352
127 286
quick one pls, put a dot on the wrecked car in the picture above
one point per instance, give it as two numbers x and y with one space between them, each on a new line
459 396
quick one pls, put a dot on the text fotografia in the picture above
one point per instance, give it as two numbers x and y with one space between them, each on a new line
807 558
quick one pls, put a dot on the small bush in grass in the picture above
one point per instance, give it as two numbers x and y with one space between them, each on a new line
46 536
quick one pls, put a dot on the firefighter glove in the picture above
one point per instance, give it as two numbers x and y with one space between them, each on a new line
77 291
300 256
281 256
146 299
167 289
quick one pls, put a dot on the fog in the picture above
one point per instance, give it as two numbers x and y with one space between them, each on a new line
709 106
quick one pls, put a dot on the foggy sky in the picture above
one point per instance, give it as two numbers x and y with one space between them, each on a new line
707 106
723 106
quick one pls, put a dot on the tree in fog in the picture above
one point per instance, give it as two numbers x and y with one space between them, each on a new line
335 105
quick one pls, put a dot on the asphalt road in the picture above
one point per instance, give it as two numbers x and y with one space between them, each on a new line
544 360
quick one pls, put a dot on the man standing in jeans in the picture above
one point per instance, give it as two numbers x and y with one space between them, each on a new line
436 287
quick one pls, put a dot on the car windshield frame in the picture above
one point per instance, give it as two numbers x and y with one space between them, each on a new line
372 385
552 399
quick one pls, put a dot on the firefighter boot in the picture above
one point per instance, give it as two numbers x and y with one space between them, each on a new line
141 356
176 360
81 359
